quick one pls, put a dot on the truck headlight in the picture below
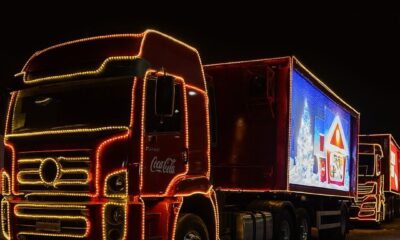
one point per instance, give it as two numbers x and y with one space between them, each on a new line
116 184
369 205
115 221
5 183
116 215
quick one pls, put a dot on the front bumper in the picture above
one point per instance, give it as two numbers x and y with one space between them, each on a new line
358 214
24 220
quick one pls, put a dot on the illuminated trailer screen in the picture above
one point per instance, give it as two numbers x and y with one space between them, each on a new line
320 141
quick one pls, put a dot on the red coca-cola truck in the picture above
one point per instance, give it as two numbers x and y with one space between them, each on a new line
378 197
129 136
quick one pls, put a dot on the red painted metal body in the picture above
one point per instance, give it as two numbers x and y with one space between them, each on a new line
166 171
152 195
253 134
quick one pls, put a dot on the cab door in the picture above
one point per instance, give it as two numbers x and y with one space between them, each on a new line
164 149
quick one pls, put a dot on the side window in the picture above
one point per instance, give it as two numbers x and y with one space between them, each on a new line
162 124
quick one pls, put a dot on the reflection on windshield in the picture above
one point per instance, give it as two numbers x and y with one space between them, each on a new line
89 103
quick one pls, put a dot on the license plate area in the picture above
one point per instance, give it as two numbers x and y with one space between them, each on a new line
47 226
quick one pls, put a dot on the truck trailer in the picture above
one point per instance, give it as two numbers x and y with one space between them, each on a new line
129 136
378 197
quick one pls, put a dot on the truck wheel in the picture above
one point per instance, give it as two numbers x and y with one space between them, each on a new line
389 210
191 227
303 224
283 225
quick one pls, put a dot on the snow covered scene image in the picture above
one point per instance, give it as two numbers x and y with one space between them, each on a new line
320 138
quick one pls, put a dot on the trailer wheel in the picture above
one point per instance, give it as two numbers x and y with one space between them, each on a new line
303 224
283 225
191 227
389 210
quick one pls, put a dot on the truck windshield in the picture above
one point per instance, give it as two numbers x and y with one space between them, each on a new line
88 103
366 164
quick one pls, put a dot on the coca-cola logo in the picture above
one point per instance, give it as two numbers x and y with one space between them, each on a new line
163 166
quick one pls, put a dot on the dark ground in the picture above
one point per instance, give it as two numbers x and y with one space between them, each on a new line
387 231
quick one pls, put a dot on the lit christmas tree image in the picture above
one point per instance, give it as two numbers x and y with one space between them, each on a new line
304 157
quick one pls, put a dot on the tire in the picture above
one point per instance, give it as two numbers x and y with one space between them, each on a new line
283 225
303 226
393 209
191 227
389 210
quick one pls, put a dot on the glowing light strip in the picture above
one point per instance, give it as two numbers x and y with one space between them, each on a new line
117 195
131 35
324 85
14 110
176 212
206 103
11 147
97 71
247 61
79 130
59 174
144 37
143 217
54 234
5 179
186 121
194 193
132 116
280 191
214 202
180 43
59 194
5 213
50 217
363 205
367 188
104 224
73 158
30 160
99 149
210 194
289 133
49 206
10 104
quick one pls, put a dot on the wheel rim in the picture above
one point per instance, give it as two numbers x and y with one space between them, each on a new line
192 235
285 230
303 229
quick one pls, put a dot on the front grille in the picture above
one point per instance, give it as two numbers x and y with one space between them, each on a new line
54 172
364 189
50 221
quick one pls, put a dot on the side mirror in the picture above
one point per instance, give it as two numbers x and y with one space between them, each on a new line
164 96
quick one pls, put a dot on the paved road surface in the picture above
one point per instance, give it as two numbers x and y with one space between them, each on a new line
387 231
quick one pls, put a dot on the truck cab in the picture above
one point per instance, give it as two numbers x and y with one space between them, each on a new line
370 201
98 138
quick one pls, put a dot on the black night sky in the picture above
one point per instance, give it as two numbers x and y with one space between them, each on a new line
354 51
